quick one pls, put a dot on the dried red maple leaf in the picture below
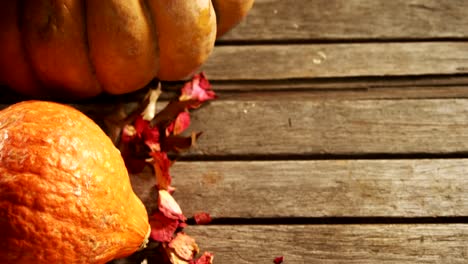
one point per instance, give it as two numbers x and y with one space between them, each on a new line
140 125
199 90
168 206
162 227
161 164
278 260
177 143
202 218
149 135
136 142
146 138
180 124
167 115
206 258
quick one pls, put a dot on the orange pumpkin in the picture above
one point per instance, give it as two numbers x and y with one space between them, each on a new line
65 195
84 47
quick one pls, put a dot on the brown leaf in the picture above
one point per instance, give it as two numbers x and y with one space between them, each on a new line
161 164
165 117
177 143
184 246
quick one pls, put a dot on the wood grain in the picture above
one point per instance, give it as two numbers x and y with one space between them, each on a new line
323 188
303 127
276 62
279 20
335 243
343 83
434 92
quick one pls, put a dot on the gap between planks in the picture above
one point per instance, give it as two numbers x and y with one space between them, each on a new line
337 220
396 87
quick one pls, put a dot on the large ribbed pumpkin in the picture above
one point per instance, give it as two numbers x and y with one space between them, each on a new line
84 47
65 195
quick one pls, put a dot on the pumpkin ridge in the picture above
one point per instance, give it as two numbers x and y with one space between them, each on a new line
87 47
187 32
22 46
154 29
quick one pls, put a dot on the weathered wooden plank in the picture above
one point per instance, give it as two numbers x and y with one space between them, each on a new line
324 188
335 243
352 19
325 84
300 126
274 62
435 92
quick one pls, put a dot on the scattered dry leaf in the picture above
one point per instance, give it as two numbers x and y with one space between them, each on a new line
162 227
168 206
181 123
184 246
278 260
202 218
206 258
146 138
198 90
161 164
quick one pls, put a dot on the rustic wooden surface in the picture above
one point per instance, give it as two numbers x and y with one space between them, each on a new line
306 244
266 62
300 126
340 135
324 188
375 20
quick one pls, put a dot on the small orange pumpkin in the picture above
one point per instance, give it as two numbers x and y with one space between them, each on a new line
85 47
65 195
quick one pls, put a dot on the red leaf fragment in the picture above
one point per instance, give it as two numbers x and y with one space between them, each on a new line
134 165
206 258
182 225
149 135
169 207
128 134
141 142
177 143
278 260
184 246
152 139
161 164
162 227
180 124
169 113
199 89
140 125
202 218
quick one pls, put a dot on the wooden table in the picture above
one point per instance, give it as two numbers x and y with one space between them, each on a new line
340 135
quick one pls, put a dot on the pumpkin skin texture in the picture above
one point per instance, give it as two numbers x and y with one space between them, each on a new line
81 48
65 195
231 13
